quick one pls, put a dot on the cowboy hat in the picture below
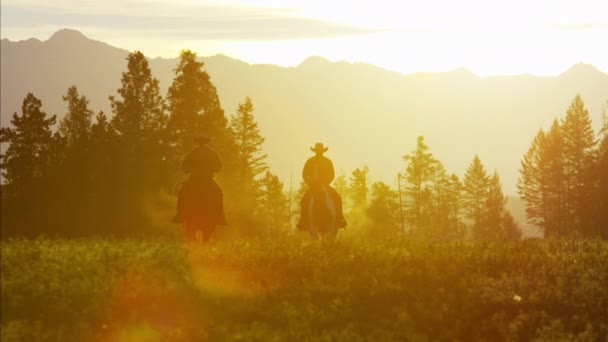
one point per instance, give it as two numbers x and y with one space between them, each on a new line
319 148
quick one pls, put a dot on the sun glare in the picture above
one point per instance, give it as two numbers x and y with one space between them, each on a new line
488 38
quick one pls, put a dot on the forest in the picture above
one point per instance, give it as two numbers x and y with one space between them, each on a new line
93 174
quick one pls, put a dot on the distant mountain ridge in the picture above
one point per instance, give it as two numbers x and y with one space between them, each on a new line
365 114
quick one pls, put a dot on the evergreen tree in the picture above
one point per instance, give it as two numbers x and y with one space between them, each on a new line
105 174
250 162
191 98
558 175
103 146
341 186
446 203
579 159
101 130
274 203
529 184
383 210
25 168
28 156
420 174
139 116
358 188
72 176
475 197
248 140
492 229
602 189
139 125
75 126
551 169
510 228
455 199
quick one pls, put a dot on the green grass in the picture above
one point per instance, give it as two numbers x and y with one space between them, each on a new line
294 289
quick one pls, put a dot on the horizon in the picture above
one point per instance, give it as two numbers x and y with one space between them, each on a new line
541 39
305 59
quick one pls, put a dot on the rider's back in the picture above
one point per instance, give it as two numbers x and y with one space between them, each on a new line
318 171
202 162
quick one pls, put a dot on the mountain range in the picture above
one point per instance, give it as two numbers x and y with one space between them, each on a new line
367 115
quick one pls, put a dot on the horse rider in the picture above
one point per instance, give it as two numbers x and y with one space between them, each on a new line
318 173
201 164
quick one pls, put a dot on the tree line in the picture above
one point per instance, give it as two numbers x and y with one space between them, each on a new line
564 176
117 175
430 203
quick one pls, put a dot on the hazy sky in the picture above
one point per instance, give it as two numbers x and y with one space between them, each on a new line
541 37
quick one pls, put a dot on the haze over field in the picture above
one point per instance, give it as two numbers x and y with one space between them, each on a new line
365 114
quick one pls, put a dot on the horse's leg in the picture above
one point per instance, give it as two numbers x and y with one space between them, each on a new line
332 231
312 225
208 231
198 235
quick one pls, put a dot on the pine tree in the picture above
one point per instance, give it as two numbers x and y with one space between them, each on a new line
105 174
475 197
602 189
274 203
248 140
358 188
383 210
558 175
192 97
551 168
455 199
103 145
139 126
74 168
341 186
579 158
530 182
510 228
139 116
541 183
75 126
101 130
446 203
139 119
26 166
420 173
250 162
492 229
28 155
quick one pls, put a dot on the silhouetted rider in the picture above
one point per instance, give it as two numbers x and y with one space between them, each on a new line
202 164
319 172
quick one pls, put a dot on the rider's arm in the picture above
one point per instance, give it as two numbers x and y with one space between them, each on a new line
306 172
331 174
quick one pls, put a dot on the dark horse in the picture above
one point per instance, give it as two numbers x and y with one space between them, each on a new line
202 209
321 211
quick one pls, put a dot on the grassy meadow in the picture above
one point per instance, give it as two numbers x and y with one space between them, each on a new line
294 289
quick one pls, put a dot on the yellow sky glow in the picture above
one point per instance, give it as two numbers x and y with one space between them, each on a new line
540 37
